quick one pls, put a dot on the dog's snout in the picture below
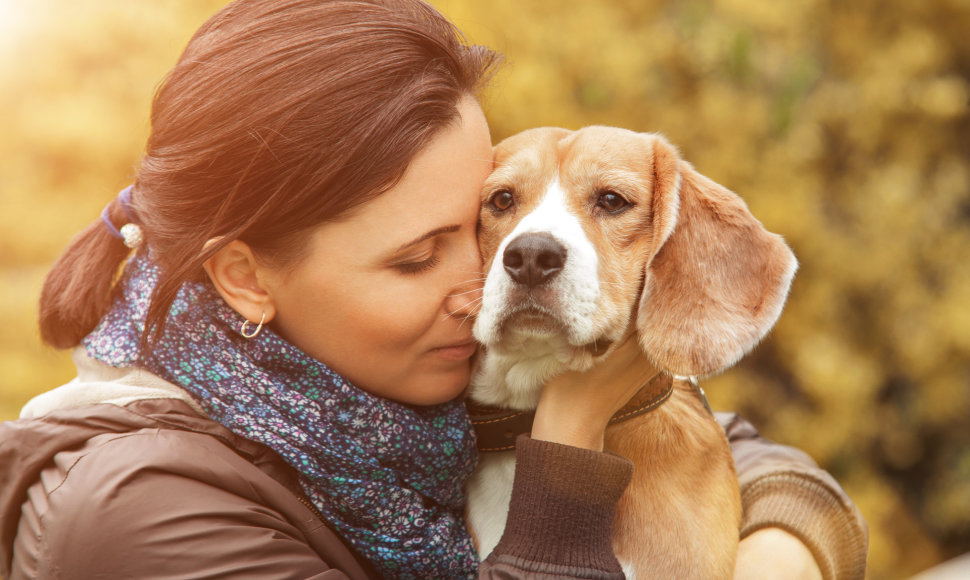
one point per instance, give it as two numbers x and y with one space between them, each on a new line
534 259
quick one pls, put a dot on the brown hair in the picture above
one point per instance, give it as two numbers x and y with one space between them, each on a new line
279 116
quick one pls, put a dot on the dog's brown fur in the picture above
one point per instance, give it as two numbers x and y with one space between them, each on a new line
699 279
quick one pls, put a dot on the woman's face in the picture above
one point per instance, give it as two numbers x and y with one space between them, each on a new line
383 296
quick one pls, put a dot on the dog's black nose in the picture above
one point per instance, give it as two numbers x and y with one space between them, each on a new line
534 259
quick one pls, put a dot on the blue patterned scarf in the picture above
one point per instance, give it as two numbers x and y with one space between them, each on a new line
387 476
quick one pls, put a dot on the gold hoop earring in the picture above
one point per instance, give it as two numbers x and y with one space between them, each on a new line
242 330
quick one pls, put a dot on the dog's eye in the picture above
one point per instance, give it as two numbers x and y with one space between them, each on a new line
501 200
612 201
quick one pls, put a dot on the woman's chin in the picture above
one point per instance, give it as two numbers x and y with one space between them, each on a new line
436 390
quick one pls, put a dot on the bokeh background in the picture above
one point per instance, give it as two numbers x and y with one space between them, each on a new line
845 126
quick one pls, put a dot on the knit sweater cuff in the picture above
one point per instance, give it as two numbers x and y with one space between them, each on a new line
806 508
563 500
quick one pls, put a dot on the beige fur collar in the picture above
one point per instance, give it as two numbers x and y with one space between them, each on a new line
98 383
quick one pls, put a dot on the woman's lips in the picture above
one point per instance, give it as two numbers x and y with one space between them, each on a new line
458 350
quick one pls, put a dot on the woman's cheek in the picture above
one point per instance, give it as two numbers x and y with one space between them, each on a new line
409 311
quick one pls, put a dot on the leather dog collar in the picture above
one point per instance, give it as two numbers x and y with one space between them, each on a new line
496 429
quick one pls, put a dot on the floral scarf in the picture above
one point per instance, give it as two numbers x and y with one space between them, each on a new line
387 476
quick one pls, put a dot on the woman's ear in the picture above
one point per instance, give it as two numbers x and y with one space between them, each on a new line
239 279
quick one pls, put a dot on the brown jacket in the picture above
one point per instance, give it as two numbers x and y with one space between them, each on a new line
118 475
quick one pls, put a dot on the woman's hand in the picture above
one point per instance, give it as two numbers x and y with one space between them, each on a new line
575 407
774 553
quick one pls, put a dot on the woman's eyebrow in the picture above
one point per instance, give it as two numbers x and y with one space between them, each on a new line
431 234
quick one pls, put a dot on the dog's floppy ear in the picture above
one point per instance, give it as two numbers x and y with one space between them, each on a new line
717 280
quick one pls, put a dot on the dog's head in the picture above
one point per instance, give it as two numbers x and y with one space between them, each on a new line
591 234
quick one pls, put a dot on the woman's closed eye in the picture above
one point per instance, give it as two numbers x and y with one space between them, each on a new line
419 266
424 252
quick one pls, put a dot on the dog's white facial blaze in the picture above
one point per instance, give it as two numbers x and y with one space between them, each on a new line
576 287
520 360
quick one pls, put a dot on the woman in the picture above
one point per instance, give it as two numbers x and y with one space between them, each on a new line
272 387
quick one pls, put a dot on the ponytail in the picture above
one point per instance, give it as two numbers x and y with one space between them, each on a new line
77 290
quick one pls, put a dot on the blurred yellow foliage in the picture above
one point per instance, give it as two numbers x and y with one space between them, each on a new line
844 125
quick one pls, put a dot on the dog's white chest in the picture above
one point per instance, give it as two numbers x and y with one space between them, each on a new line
489 493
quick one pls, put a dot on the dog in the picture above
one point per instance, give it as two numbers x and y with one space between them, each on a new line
590 235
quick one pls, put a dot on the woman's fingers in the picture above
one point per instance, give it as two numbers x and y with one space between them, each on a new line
575 407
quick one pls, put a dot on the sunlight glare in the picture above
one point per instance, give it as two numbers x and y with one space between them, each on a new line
13 21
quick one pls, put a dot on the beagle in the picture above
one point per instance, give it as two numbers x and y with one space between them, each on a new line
588 235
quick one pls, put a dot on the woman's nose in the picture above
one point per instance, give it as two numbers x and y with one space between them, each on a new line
465 297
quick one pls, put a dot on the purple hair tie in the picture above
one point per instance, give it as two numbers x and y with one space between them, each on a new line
129 233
